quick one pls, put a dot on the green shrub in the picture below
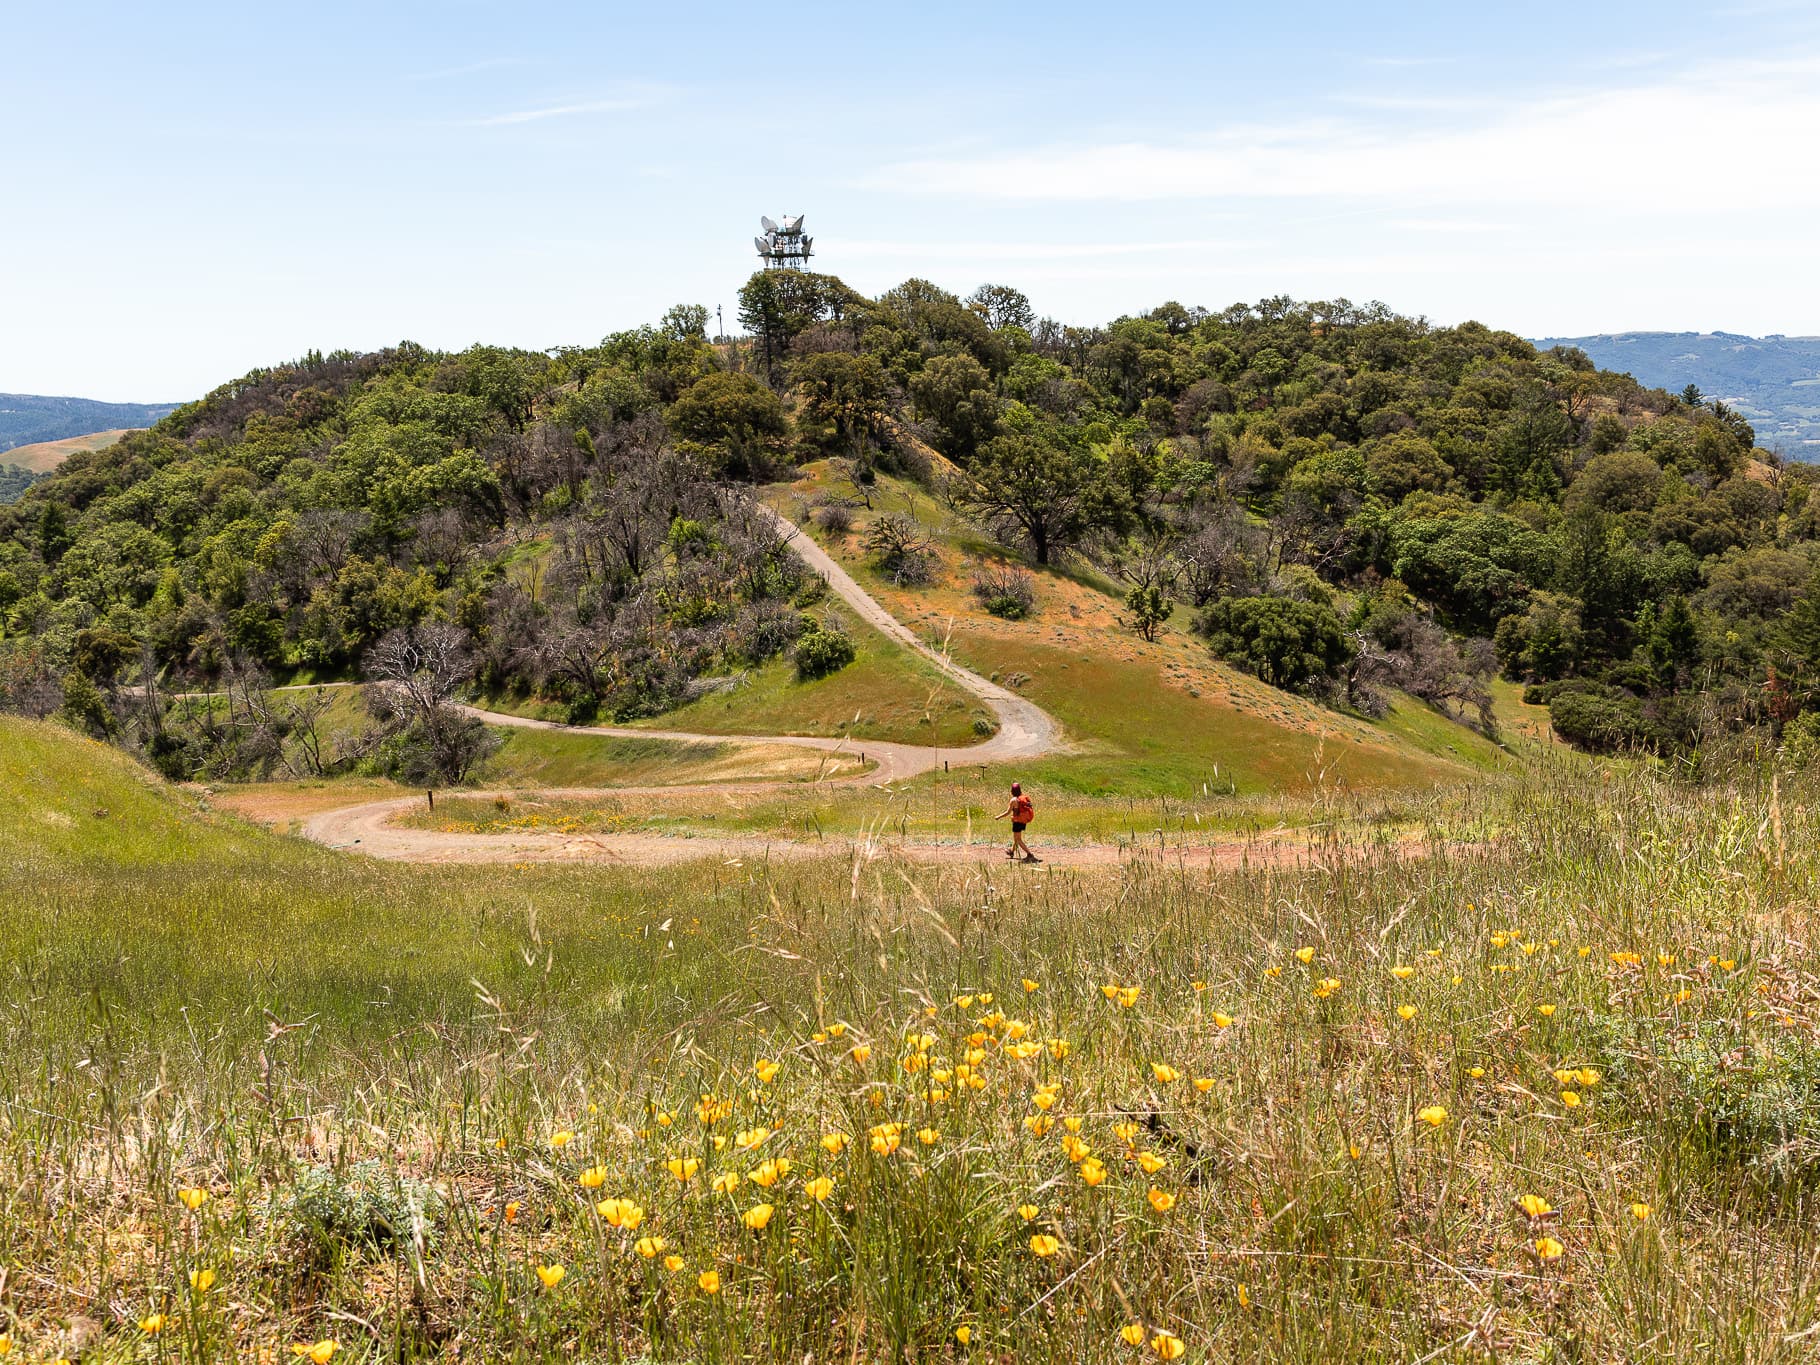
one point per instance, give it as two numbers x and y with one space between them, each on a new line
1298 646
821 650
1603 722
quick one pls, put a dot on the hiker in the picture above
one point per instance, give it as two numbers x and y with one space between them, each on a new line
1022 811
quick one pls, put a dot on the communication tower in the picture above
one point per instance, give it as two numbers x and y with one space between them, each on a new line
784 245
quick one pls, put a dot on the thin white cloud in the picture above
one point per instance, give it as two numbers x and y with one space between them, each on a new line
612 106
449 73
623 99
1631 147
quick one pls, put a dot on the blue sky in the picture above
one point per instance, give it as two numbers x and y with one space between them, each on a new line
191 190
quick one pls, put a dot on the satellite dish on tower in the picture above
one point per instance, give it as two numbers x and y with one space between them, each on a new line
784 247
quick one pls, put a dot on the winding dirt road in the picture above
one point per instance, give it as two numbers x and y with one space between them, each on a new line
1025 730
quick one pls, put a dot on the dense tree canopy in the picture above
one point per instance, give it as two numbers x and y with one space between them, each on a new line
1288 468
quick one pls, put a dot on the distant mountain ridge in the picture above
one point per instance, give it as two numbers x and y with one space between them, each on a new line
26 419
1773 380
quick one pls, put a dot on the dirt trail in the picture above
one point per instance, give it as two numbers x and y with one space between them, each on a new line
1025 730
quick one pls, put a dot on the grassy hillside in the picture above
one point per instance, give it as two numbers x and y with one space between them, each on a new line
1143 718
1346 1115
43 456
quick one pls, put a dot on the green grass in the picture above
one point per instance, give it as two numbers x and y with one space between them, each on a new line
194 1003
558 758
886 693
1146 720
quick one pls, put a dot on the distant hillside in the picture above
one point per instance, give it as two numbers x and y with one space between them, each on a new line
26 419
22 466
1774 381
43 456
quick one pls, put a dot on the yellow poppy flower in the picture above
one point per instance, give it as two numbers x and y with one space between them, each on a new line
1535 1206
1402 973
835 1143
316 1352
153 1325
708 1281
1476 1072
1434 1115
1546 1011
562 1139
860 1052
819 1188
1040 1124
1167 1346
1304 955
1326 986
202 1280
749 1138
1161 1200
593 1178
192 1198
767 1173
1132 1333
757 1217
1093 1171
725 1182
1029 986
1548 1249
649 1247
673 1263
1570 1098
765 1070
512 1207
1639 1211
1129 996
928 1136
1203 1083
1406 1012
963 1334
1151 1162
1027 1211
1222 1020
620 1213
683 1168
1164 1073
1043 1244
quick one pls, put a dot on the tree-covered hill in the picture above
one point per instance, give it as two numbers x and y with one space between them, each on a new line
1774 381
1350 502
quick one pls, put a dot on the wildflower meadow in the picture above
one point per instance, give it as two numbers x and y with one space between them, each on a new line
1544 1089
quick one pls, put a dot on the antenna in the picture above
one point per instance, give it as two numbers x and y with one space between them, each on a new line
784 247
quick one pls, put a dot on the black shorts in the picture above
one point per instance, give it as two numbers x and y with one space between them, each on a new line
1017 826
